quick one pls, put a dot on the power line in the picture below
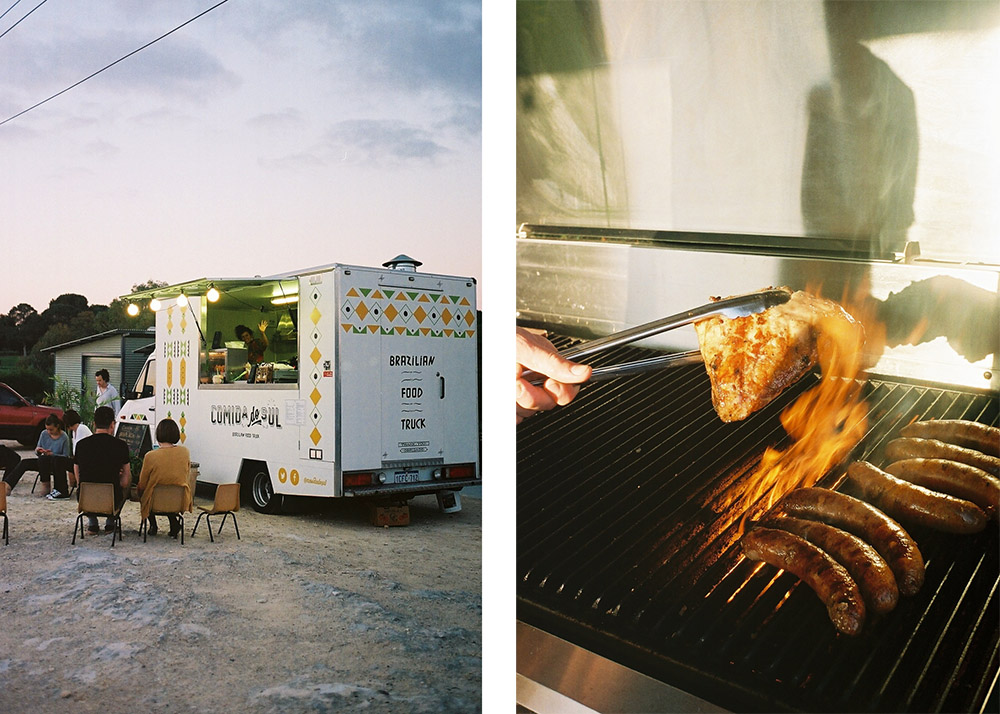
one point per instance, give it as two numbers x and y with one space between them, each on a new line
16 3
23 18
120 59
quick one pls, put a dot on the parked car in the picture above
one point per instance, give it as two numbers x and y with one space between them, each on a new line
20 419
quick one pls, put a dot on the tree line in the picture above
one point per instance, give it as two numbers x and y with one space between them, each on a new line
25 332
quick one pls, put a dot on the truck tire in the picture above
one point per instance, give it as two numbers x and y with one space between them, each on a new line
257 489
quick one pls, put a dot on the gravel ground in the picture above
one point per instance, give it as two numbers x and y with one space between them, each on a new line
317 611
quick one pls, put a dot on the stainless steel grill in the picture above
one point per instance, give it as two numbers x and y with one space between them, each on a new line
627 543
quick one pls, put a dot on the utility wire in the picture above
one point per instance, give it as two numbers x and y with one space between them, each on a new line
22 19
120 59
18 2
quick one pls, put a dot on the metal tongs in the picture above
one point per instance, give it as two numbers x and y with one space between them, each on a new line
738 306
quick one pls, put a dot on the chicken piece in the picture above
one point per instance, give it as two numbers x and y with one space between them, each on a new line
751 360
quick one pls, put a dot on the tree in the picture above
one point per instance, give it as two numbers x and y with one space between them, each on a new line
64 308
20 328
149 285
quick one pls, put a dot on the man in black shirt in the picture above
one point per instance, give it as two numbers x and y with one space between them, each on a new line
103 458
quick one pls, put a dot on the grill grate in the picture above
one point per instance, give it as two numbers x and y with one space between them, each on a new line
627 544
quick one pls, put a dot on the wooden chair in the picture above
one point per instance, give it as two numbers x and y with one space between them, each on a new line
98 499
3 512
168 500
227 502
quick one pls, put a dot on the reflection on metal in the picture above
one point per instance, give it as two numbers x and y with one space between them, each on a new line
943 323
557 677
871 123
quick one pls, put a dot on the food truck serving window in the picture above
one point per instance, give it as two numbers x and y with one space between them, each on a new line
251 335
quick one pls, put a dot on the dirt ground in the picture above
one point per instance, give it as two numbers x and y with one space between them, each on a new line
318 611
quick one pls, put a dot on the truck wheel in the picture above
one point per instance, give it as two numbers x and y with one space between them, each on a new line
262 495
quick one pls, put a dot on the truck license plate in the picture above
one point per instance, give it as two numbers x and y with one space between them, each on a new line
407 476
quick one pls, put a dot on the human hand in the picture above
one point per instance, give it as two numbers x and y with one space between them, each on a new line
262 326
536 353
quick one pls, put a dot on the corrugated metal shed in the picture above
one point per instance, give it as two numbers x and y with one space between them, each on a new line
114 350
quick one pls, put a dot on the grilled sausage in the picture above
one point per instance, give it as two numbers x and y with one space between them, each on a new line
865 565
953 478
910 503
960 432
832 583
911 448
868 523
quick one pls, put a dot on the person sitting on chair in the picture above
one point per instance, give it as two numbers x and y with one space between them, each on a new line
103 458
169 464
52 454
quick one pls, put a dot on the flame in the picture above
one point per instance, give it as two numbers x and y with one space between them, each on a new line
826 422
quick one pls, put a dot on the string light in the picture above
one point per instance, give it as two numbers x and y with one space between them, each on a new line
132 309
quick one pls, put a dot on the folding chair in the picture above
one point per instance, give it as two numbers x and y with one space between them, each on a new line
168 500
3 512
98 499
227 502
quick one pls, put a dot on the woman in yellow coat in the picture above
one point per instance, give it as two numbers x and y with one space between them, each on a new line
169 464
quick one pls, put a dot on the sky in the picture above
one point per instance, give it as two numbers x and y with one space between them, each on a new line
262 137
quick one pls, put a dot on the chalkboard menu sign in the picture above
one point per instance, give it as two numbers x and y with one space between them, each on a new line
136 436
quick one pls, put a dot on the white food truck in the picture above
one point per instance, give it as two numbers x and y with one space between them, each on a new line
367 386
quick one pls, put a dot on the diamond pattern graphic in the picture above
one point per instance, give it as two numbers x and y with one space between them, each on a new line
383 311
315 355
315 436
315 396
315 315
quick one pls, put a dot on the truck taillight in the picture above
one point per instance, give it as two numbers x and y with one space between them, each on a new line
358 479
461 471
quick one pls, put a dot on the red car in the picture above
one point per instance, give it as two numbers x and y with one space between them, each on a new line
20 419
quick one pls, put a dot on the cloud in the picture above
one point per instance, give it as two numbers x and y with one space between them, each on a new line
285 120
102 149
175 65
382 141
420 45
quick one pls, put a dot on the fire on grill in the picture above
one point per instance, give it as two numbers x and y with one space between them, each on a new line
851 551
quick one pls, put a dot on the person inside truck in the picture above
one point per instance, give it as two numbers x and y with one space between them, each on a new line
52 454
169 464
536 353
255 347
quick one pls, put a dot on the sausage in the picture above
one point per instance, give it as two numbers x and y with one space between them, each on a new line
912 448
908 502
953 478
832 583
865 565
868 523
960 432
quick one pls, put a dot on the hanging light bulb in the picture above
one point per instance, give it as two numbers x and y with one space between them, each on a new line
132 309
212 294
154 304
182 300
